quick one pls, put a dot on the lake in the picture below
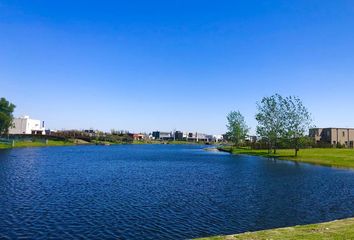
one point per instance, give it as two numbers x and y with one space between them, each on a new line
160 192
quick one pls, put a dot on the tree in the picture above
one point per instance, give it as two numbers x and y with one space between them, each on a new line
237 127
270 119
6 117
297 121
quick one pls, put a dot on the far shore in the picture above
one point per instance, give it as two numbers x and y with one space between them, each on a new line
78 142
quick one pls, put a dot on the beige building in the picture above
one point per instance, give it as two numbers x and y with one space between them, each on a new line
25 125
333 136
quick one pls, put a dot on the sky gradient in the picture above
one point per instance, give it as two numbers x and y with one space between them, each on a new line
147 65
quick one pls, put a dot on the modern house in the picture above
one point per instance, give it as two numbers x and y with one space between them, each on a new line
333 136
25 125
197 137
185 136
178 135
218 138
157 135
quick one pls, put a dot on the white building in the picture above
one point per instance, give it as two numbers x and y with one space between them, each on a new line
25 125
218 138
191 136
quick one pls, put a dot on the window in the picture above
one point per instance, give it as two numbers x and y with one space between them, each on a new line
334 142
343 134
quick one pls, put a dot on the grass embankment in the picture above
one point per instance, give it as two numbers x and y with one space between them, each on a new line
2 146
332 157
49 143
340 229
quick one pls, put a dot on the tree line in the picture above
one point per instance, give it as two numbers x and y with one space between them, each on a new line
280 119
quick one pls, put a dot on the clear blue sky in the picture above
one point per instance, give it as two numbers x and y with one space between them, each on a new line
145 65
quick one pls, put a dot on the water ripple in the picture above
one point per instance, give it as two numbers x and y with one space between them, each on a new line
160 192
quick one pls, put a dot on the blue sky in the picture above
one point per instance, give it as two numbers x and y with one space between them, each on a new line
146 65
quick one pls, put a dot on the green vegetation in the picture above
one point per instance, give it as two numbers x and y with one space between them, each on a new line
146 142
282 119
237 128
19 144
42 144
6 117
96 137
340 229
333 157
2 146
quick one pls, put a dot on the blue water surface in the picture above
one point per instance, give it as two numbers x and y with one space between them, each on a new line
160 192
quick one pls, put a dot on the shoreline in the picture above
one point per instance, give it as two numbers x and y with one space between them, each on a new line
337 229
58 143
328 157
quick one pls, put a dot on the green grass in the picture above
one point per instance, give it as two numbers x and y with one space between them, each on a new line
333 157
42 144
340 229
19 144
2 146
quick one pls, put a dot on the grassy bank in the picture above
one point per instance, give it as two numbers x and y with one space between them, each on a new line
340 229
332 157
81 142
19 144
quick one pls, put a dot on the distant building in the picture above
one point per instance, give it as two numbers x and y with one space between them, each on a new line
50 131
25 125
251 139
333 136
91 132
218 138
226 137
178 135
190 136
157 135
138 136
186 136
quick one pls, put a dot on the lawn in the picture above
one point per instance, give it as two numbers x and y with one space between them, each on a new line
340 229
2 145
37 144
333 157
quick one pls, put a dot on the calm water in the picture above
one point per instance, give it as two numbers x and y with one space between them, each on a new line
160 192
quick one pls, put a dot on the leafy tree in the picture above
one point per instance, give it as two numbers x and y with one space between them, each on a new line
237 127
6 117
270 117
297 121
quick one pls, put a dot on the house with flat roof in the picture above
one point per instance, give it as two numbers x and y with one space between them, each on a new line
26 125
333 136
157 135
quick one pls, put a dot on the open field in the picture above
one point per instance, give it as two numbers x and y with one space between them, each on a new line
340 229
332 157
